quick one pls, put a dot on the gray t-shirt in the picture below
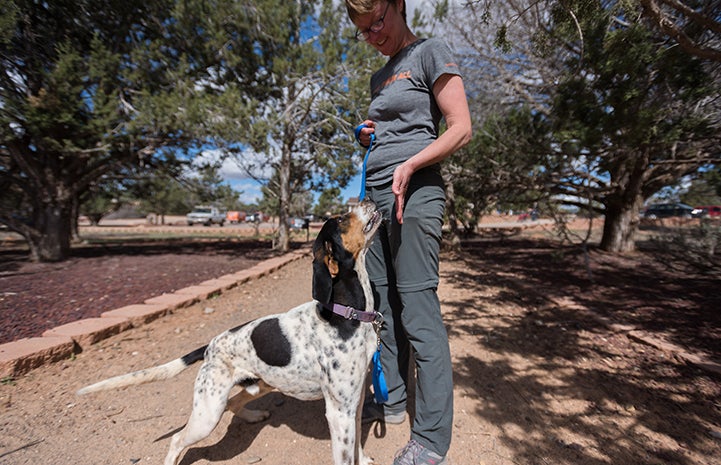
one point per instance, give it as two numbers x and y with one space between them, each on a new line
403 106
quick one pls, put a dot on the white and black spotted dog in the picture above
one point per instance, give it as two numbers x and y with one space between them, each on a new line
320 349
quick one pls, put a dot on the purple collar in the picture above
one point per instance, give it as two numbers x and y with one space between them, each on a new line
350 313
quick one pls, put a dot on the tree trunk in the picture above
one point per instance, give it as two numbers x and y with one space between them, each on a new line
74 215
284 201
623 207
49 239
620 225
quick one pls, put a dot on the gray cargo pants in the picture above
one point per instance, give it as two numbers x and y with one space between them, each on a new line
403 268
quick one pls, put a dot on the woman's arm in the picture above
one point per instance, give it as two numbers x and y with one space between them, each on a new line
451 99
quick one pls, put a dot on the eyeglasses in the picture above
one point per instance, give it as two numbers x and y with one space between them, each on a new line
375 27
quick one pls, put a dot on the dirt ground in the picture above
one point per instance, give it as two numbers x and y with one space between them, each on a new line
542 374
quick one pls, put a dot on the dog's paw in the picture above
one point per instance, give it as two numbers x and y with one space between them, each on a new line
253 416
365 460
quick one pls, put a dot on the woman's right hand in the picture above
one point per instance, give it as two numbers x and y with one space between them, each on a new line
365 134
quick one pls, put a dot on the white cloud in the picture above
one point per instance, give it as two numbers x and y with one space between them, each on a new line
233 173
228 170
250 190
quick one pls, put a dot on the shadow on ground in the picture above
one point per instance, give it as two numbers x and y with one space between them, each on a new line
559 382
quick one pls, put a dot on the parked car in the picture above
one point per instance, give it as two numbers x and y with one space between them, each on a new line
234 216
668 210
298 223
710 211
257 217
205 215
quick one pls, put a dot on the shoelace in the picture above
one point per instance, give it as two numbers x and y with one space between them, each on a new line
411 446
411 452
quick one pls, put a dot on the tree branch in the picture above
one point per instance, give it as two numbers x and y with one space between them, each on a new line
669 27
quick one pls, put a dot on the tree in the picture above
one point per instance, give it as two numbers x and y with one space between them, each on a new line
160 194
643 113
55 92
627 111
501 165
694 25
304 119
206 186
713 178
100 200
300 199
90 89
509 88
702 191
329 203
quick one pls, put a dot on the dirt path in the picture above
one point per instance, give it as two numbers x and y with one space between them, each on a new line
535 383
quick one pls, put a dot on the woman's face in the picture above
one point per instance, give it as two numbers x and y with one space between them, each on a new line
389 39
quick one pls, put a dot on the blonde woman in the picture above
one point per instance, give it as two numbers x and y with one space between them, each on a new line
418 86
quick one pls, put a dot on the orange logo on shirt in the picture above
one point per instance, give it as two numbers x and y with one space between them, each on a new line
392 79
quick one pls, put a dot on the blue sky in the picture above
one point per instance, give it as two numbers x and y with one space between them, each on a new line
250 188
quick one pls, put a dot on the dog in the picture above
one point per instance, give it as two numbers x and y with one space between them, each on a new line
319 350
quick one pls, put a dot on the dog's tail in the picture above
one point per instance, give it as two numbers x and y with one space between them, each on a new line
148 375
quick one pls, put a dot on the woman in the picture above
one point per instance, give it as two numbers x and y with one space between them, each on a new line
419 85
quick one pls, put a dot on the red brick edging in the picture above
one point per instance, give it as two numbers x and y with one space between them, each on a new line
60 343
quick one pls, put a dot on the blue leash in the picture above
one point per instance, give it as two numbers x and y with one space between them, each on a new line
380 389
365 159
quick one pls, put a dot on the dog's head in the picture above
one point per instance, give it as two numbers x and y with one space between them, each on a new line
340 243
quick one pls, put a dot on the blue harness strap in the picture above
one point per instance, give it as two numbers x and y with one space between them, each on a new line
357 131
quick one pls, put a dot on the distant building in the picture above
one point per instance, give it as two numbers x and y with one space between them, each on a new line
352 202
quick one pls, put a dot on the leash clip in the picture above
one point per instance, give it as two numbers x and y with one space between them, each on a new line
377 325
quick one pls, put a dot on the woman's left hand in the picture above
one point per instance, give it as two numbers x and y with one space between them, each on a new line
401 179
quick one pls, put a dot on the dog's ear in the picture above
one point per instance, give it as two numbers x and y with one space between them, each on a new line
330 262
322 277
322 283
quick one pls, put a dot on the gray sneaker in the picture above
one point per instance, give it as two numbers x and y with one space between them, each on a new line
415 454
373 411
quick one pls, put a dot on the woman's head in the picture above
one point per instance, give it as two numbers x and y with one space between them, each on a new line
381 24
358 8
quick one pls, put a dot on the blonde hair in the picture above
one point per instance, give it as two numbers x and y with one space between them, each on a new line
358 8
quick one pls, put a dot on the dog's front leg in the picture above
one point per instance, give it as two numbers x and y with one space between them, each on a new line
360 457
342 425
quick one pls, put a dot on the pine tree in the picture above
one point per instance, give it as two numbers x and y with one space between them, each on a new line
89 89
